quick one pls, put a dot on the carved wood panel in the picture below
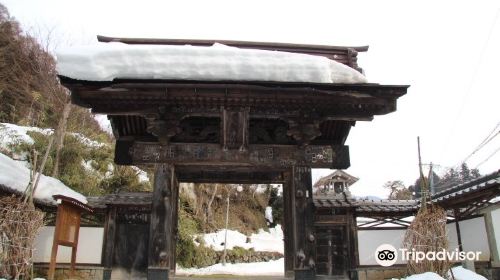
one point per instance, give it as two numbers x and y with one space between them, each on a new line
256 155
235 128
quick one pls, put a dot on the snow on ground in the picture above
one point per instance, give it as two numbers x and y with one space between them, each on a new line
12 134
16 176
459 273
263 241
107 61
271 268
424 276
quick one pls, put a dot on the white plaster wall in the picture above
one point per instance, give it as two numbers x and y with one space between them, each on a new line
369 240
89 246
495 219
474 237
473 233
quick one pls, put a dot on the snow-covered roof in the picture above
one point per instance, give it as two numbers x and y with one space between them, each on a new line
14 175
108 61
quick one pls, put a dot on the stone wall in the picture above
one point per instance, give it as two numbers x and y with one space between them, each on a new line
63 272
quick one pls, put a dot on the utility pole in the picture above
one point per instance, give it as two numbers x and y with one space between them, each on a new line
238 189
225 234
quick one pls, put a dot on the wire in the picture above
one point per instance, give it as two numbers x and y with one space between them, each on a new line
473 78
484 142
489 157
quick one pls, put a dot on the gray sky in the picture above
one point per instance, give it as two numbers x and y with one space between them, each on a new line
446 50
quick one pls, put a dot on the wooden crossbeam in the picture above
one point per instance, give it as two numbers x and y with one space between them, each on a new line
271 156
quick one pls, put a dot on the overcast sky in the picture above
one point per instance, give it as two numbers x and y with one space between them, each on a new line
448 51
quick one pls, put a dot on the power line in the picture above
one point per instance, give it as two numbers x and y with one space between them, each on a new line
473 78
489 157
484 142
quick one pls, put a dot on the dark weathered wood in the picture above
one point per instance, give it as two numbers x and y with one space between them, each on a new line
456 213
161 224
274 156
109 238
175 223
234 125
203 174
288 225
304 233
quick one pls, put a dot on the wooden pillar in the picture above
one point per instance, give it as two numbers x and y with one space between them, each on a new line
353 243
175 223
161 228
457 227
109 242
303 223
288 228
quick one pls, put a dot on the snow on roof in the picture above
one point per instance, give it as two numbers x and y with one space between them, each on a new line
108 61
15 175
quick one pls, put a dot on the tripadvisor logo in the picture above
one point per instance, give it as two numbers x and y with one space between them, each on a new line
387 255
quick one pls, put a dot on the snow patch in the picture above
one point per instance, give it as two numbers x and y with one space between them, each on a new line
104 123
461 273
16 176
12 134
269 214
270 268
108 61
262 241
141 174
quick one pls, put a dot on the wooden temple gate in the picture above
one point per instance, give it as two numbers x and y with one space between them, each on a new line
235 132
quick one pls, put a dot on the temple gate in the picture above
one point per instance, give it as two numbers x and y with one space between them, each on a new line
235 132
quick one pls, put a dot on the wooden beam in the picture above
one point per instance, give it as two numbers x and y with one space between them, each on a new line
270 156
204 174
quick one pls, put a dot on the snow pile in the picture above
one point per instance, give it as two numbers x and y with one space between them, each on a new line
262 241
16 176
459 272
424 276
271 268
108 61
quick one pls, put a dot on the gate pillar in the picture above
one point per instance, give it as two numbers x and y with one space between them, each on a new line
163 225
304 236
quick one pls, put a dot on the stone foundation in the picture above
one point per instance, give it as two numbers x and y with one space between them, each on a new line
63 272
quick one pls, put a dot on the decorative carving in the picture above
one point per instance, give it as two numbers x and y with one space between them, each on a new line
164 124
198 130
235 128
263 155
304 128
269 131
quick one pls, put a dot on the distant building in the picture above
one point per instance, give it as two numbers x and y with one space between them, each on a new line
337 183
